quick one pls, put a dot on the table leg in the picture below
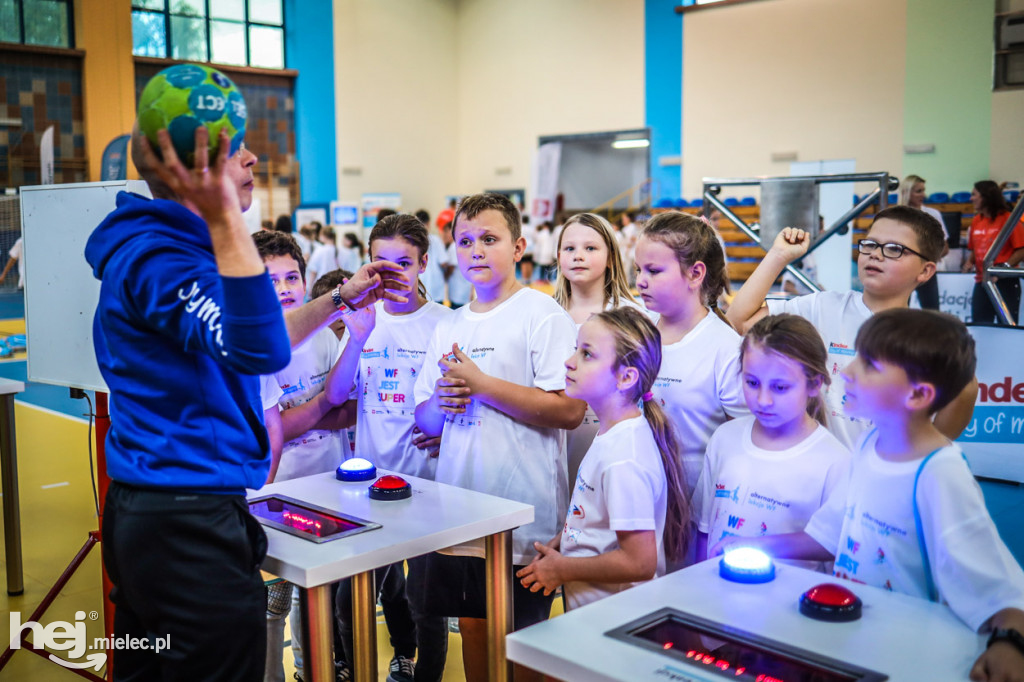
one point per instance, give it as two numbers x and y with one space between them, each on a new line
364 627
317 656
499 604
12 509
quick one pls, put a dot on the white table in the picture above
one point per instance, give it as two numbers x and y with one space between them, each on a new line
9 482
906 638
435 517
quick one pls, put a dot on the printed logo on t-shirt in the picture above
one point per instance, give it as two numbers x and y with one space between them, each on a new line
477 353
450 355
734 494
292 388
845 561
572 534
736 522
880 556
576 512
369 353
840 349
764 502
764 528
318 379
409 353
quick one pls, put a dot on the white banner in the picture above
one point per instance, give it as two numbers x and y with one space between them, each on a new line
46 158
955 291
994 439
544 189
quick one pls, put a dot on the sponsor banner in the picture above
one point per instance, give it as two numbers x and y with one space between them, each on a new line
994 439
955 291
545 182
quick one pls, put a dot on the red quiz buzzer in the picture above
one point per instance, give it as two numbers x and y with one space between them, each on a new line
830 602
390 488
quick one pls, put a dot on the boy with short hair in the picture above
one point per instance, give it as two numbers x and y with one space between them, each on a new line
309 423
898 253
912 519
497 399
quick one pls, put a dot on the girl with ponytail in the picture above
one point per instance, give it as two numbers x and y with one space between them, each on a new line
629 516
775 468
680 275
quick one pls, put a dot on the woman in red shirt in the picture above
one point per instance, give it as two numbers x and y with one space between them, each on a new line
991 212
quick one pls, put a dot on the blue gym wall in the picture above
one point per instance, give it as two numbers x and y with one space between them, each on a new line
309 48
663 88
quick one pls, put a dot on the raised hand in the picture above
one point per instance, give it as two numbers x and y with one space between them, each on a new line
791 243
373 282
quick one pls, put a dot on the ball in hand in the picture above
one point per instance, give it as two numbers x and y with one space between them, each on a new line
185 96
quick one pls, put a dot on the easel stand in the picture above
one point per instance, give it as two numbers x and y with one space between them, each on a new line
103 482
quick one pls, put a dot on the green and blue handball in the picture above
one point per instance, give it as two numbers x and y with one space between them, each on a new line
185 96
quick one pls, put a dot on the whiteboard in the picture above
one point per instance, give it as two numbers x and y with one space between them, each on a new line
60 290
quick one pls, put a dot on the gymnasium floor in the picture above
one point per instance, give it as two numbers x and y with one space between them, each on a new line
57 512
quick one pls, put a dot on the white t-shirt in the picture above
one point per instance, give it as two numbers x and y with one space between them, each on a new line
433 275
544 247
746 491
317 450
621 486
699 387
270 391
525 340
304 244
939 266
459 288
17 251
869 524
838 317
389 365
578 440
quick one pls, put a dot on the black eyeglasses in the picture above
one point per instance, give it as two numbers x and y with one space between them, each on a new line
890 250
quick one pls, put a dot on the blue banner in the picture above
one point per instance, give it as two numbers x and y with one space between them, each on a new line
115 159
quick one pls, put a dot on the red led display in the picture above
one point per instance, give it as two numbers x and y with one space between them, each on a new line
733 659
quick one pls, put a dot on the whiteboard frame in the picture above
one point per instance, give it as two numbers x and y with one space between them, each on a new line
61 292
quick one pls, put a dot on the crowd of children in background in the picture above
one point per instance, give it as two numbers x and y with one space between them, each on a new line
647 434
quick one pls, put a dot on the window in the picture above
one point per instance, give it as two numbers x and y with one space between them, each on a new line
36 22
239 32
1009 71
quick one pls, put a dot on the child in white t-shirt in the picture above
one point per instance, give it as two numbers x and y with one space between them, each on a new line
769 472
898 253
325 283
309 424
591 278
912 519
492 387
628 510
680 275
377 373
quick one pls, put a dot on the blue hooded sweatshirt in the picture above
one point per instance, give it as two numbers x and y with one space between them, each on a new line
180 348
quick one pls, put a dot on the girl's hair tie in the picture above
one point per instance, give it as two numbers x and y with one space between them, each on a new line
647 397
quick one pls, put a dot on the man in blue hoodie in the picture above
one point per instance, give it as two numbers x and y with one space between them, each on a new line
187 320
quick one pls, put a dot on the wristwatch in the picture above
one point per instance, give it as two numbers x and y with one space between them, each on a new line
339 303
1007 635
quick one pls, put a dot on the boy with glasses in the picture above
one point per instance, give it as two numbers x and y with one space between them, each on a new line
898 254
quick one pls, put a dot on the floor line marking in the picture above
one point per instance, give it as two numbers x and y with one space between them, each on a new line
55 485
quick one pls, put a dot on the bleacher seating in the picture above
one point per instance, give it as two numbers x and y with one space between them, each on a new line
744 254
960 198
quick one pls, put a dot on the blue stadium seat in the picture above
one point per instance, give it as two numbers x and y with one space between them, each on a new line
697 203
731 201
665 203
961 198
680 203
894 198
1011 195
748 201
938 198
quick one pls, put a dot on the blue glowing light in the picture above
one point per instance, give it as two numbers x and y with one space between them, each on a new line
356 469
746 565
